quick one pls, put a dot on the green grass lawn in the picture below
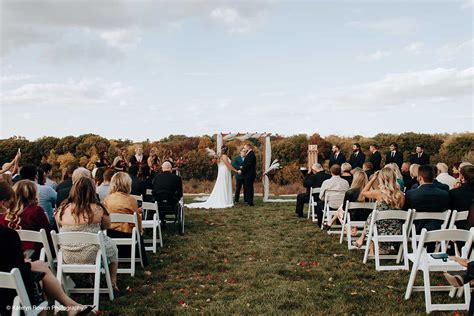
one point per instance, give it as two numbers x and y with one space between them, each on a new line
248 261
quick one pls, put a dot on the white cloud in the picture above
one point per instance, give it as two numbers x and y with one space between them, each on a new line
375 56
386 26
414 48
123 39
237 21
87 92
451 51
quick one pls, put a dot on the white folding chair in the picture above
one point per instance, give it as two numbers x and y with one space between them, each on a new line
21 302
443 216
95 268
457 216
153 224
348 224
312 203
132 241
373 236
422 260
40 238
137 197
335 198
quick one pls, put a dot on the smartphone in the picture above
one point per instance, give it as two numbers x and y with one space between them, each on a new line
140 203
441 255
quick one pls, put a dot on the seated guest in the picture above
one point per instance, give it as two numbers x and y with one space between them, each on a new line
67 178
455 170
119 201
98 175
48 171
443 175
167 182
336 157
376 157
314 179
335 183
138 187
368 169
427 198
414 176
420 157
76 175
46 196
353 195
461 198
436 183
147 183
346 172
388 197
81 212
32 273
25 213
12 166
103 189
398 174
407 179
357 158
394 156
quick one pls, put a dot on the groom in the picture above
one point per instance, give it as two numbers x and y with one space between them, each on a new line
249 173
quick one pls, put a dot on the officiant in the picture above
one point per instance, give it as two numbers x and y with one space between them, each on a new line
239 181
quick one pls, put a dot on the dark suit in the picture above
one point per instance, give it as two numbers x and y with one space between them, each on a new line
249 173
310 181
167 182
376 160
427 198
397 158
424 159
239 181
461 200
436 183
340 159
138 186
63 190
357 159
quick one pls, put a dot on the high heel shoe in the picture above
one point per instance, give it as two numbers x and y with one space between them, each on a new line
86 311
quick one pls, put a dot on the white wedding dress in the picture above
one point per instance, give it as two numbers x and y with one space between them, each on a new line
221 196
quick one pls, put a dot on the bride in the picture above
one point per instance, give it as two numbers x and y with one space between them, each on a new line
221 196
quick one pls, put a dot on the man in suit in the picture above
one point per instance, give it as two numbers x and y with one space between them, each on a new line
394 156
239 181
427 198
336 157
249 173
376 157
314 179
167 182
368 168
420 157
138 186
357 158
461 198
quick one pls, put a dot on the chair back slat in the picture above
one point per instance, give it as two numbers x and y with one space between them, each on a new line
360 205
74 237
123 218
137 197
150 206
430 215
448 235
392 214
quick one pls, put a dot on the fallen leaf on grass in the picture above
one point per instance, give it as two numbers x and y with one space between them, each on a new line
337 255
226 261
182 303
208 300
354 293
129 289
302 264
147 273
308 270
372 291
208 276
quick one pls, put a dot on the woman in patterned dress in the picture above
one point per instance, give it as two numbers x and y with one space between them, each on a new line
388 197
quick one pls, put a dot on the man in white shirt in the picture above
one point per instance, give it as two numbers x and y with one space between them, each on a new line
335 183
103 189
443 175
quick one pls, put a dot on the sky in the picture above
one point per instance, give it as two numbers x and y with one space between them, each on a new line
148 69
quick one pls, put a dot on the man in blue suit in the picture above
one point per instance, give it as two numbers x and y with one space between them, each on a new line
239 181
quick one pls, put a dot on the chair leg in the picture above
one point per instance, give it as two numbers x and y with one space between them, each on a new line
427 287
97 285
132 258
154 237
159 234
377 252
411 281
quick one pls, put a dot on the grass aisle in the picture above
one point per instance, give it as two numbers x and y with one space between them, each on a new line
260 260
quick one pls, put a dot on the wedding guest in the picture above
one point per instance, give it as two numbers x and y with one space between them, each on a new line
12 167
67 178
239 181
25 213
427 198
48 170
32 273
147 183
46 196
455 170
346 172
420 157
119 201
29 172
461 198
394 156
335 183
120 162
337 157
388 197
153 160
81 212
98 175
376 157
76 175
407 179
167 182
443 175
414 176
398 175
138 187
357 158
436 183
139 158
368 168
103 189
314 179
103 160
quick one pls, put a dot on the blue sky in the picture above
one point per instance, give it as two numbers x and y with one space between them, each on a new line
138 69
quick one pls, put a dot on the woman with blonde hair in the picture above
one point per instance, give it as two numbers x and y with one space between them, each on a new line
82 212
153 160
398 174
388 197
120 201
353 195
346 172
24 213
